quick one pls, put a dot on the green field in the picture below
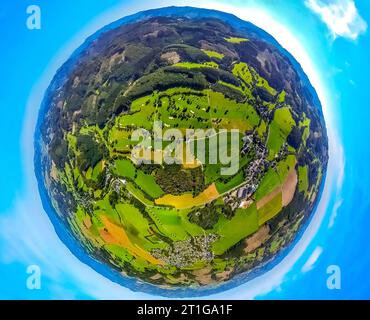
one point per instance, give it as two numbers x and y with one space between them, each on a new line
137 227
147 183
284 166
125 168
270 181
303 179
214 54
138 194
243 224
103 207
236 40
279 130
231 86
173 223
227 186
305 124
262 129
270 210
191 65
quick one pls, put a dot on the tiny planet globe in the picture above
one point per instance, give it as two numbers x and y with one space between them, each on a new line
181 148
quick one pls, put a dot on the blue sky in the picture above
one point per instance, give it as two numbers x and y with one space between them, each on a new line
329 38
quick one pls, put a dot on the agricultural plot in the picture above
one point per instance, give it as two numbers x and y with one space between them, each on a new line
187 201
243 224
147 183
190 65
125 168
303 179
214 54
279 130
236 40
173 223
285 166
237 180
137 227
270 210
305 125
138 194
270 181
114 234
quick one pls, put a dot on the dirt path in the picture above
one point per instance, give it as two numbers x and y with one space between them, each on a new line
289 187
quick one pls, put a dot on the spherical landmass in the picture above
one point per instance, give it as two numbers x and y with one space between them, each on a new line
213 212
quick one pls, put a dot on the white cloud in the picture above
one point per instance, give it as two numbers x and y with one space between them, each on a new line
310 264
334 213
341 17
340 179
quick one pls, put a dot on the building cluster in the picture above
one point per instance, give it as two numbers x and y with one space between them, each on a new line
185 253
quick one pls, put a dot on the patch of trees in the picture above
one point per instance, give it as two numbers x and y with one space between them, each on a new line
264 94
290 212
97 184
313 173
66 201
174 180
166 79
295 137
189 53
228 212
206 217
149 168
91 151
237 250
59 151
229 92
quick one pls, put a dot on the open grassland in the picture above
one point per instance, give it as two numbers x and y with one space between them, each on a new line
138 194
243 71
214 54
262 83
147 183
279 130
277 190
262 128
113 234
243 224
285 166
232 86
191 65
125 168
305 124
120 139
236 40
270 210
223 187
137 227
303 179
270 181
251 78
173 223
